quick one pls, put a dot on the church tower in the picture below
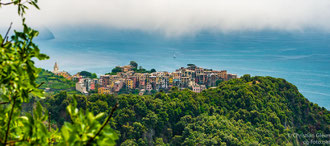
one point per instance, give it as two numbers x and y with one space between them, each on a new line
55 68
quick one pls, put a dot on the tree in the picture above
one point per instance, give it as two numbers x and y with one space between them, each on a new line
94 75
85 74
153 70
233 113
159 141
133 64
153 91
246 77
18 85
218 82
116 69
191 65
130 142
136 91
18 75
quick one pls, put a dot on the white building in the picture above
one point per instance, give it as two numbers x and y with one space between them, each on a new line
81 87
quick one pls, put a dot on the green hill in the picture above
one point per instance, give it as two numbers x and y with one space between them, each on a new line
55 83
249 110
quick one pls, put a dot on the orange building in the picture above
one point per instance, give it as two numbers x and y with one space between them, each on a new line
104 90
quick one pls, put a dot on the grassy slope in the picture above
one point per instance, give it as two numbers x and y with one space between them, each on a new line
55 83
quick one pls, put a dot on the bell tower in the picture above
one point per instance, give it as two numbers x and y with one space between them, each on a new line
55 68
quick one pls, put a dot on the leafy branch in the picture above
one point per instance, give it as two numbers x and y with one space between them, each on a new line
21 5
10 117
8 3
18 76
104 124
5 39
29 92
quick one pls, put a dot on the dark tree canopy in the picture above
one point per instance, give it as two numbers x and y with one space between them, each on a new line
116 70
218 82
134 64
85 73
153 70
94 75
246 111
191 65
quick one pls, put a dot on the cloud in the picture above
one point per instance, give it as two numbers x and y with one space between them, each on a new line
178 17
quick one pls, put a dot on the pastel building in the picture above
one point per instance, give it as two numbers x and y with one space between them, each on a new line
104 90
129 84
118 85
198 88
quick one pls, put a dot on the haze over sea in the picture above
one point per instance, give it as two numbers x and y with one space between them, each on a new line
282 38
302 58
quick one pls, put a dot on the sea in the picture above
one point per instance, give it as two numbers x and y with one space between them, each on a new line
300 57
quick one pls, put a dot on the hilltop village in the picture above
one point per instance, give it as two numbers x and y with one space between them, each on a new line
130 79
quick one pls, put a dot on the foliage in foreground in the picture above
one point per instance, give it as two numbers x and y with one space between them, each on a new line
18 76
18 85
250 110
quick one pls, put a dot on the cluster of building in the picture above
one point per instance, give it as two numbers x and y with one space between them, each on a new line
195 78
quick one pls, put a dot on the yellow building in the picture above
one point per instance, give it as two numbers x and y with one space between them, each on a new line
104 90
112 83
129 84
170 80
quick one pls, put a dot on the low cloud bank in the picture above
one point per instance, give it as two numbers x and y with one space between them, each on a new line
180 17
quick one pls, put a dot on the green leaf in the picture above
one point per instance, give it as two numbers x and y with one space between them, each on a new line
39 109
98 116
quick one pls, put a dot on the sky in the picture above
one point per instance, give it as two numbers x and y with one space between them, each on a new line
178 17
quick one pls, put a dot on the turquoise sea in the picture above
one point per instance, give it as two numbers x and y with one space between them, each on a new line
302 58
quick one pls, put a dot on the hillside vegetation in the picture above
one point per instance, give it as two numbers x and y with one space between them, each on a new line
249 110
55 83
